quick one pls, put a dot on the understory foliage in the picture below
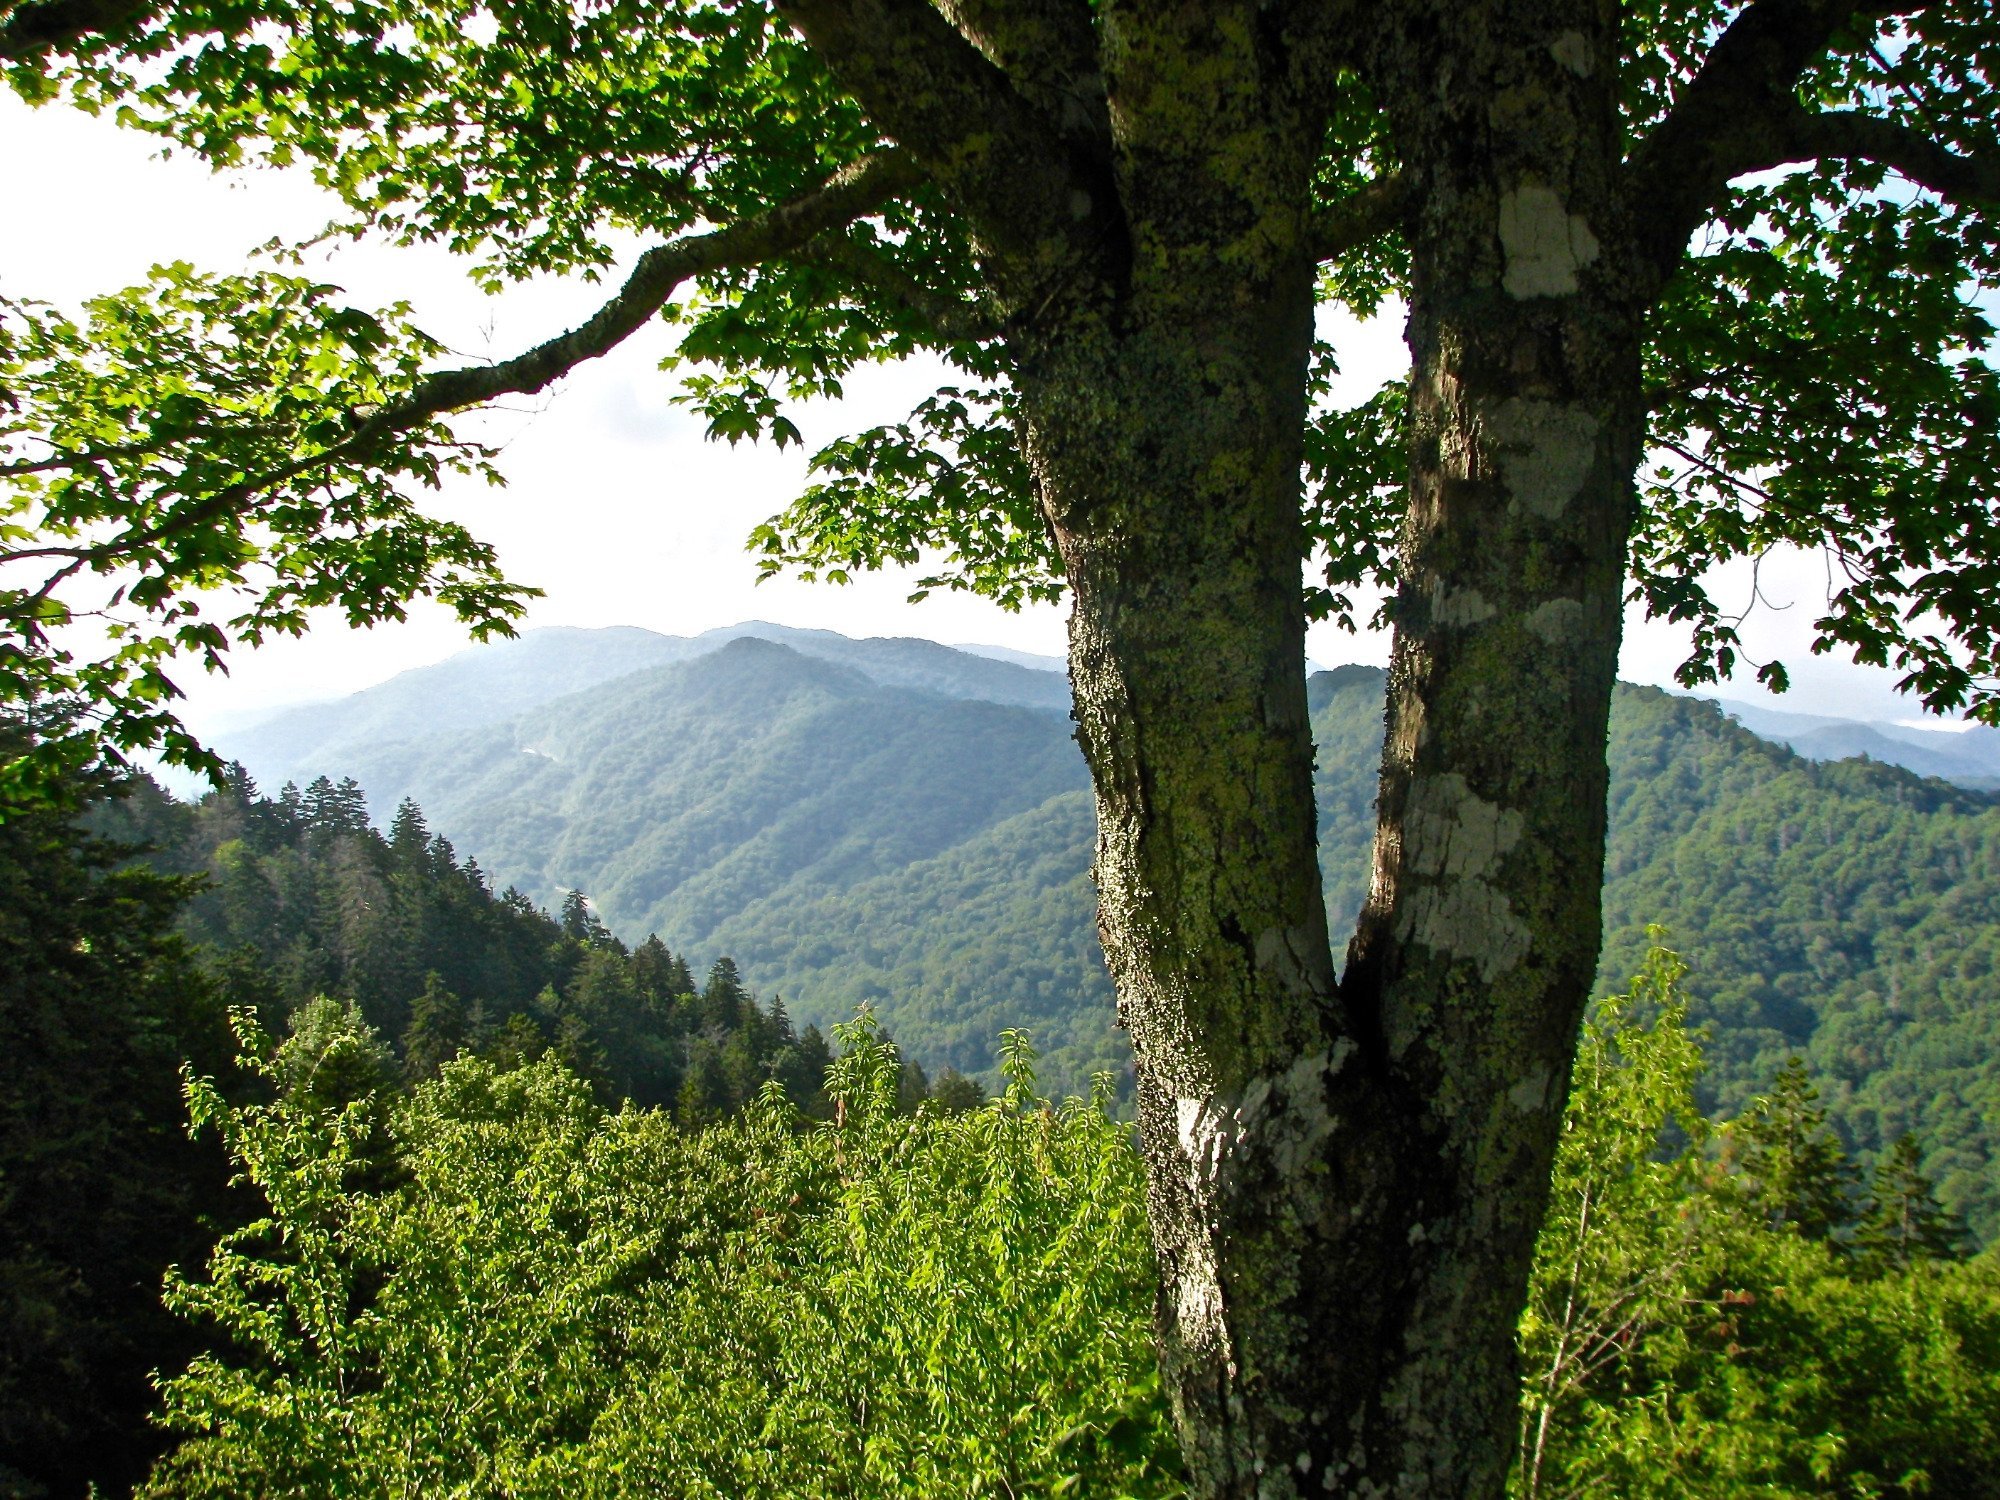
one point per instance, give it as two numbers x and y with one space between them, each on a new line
1724 1310
492 1285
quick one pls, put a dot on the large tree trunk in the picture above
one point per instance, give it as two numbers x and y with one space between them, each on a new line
1346 1177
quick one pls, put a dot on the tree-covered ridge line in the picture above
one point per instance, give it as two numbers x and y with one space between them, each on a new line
850 842
297 897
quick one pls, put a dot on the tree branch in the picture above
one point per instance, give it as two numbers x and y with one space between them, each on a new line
855 191
1004 161
1361 216
39 26
1973 181
851 194
1048 51
1733 117
946 316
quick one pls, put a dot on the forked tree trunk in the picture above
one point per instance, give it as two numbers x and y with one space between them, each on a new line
1346 1176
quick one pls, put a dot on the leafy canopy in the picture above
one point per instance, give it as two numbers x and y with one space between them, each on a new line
1819 366
493 1286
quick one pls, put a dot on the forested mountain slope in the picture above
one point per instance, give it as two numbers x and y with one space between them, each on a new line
494 682
849 840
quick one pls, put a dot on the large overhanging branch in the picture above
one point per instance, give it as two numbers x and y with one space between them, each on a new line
1363 215
1733 117
853 193
35 27
1048 51
1972 181
1001 159
946 317
856 191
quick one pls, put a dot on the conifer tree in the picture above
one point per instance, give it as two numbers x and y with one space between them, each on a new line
1791 1163
439 1029
723 997
1902 1222
580 922
409 835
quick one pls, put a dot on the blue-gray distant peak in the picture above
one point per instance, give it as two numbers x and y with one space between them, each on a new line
1970 757
488 684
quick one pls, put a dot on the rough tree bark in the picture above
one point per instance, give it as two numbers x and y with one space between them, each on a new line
1346 1177
1346 1171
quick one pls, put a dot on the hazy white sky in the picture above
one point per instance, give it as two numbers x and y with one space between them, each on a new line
616 506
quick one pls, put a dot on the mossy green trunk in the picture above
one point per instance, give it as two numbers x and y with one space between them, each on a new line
1346 1175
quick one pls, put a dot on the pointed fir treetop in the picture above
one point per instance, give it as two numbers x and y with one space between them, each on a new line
1902 1221
1790 1160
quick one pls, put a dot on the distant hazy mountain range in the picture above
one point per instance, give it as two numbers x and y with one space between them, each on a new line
1970 757
909 825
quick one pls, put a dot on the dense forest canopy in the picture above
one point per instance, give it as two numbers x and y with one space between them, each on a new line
1752 239
925 850
130 939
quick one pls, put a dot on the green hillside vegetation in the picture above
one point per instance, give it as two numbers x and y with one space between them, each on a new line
117 970
289 899
100 1187
492 1286
848 841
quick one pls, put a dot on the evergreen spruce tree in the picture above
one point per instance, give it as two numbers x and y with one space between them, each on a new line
1791 1163
579 921
653 969
723 998
439 1029
1902 1222
782 1035
409 835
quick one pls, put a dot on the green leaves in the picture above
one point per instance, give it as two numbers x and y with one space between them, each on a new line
195 437
948 487
542 1299
1697 1326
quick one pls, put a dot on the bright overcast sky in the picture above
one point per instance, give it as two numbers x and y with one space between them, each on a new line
616 507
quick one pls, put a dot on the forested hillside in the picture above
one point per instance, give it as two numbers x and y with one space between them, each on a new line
853 840
297 897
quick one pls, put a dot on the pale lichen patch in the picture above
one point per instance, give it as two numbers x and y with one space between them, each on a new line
1449 830
1544 243
1572 50
1544 451
1454 609
1530 1093
1278 1121
1556 620
1466 919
